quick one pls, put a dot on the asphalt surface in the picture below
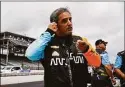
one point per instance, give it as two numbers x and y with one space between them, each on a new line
29 84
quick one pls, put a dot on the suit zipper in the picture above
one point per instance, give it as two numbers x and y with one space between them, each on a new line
69 68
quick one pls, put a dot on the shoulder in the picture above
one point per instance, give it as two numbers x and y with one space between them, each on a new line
118 62
105 52
76 37
79 37
122 53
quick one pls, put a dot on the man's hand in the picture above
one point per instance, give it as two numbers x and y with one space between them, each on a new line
53 26
81 45
124 76
113 81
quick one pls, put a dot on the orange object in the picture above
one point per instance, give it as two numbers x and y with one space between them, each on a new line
93 59
92 56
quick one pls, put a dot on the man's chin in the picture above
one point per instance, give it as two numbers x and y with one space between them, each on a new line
69 33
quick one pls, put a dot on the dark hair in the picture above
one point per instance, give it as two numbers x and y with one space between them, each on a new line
55 14
99 41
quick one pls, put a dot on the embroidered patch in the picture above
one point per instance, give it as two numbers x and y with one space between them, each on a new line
54 47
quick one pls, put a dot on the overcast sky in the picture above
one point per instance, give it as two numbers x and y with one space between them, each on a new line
93 20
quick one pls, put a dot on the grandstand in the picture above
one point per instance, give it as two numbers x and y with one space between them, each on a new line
12 50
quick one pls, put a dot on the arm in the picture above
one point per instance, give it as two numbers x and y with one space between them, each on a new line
108 67
90 54
117 67
35 51
106 63
110 73
109 70
120 73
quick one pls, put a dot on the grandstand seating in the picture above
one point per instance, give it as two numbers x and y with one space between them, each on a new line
16 45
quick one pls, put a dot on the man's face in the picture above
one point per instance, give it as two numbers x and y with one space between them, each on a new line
102 46
64 24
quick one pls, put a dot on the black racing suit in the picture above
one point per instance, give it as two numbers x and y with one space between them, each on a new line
64 65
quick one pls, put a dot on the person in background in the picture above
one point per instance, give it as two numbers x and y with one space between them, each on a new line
103 76
120 67
65 57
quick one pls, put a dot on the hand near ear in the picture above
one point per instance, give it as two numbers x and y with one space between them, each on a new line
53 26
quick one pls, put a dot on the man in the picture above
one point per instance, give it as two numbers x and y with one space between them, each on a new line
103 74
61 53
120 67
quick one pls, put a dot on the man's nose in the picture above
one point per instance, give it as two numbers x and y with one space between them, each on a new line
69 22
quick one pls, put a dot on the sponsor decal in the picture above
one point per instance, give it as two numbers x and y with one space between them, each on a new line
55 60
55 53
